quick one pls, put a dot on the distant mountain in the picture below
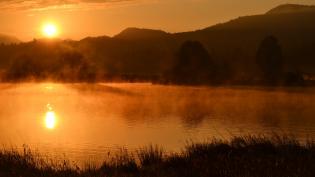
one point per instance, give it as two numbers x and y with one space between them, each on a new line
236 42
141 34
5 39
232 45
291 8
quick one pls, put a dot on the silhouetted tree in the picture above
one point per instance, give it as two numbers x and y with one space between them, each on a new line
294 78
269 59
25 67
194 64
73 66
87 72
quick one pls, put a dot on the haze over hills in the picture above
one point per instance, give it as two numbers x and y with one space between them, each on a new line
6 39
236 41
136 33
144 52
291 8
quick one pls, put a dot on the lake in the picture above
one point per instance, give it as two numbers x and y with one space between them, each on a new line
82 122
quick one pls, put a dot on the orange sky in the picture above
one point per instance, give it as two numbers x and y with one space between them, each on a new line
80 18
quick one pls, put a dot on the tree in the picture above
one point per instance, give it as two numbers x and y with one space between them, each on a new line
193 64
25 67
269 59
73 66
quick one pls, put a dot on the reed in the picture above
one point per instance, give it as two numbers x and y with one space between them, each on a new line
247 156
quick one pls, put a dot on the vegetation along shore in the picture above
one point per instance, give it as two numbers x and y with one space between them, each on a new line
247 156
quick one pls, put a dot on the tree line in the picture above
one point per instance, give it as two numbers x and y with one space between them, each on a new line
194 65
191 64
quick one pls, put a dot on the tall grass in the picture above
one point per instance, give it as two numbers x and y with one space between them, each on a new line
248 156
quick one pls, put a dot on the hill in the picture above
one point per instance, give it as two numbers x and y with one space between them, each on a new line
141 34
5 39
236 41
147 53
291 8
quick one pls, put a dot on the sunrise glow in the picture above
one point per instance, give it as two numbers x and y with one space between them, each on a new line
50 30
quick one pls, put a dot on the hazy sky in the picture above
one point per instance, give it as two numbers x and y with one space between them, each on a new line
80 18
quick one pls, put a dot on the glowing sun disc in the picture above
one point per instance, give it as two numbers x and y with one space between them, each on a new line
50 30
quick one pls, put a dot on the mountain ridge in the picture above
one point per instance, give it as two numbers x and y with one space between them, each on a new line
291 8
234 42
133 33
7 39
141 33
144 52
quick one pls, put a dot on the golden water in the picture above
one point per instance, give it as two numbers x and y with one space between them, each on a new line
85 121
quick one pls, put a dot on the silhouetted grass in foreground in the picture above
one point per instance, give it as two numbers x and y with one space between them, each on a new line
250 156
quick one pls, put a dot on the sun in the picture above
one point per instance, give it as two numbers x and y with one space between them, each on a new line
50 30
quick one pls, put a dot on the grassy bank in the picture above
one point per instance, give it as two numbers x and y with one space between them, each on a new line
276 156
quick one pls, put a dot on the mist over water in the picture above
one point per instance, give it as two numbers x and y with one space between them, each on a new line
85 121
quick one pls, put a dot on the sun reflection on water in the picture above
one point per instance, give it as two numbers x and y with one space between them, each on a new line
50 118
49 87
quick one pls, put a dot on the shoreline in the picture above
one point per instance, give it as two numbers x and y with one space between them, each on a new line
241 156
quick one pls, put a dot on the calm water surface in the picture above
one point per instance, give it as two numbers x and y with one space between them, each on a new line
85 121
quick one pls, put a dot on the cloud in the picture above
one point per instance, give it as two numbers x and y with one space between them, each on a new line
56 4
